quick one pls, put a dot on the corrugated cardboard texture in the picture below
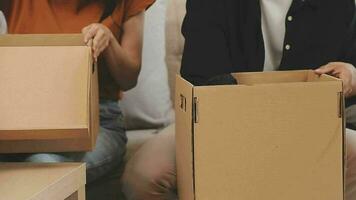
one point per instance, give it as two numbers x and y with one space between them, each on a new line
50 94
94 105
44 88
271 141
42 40
252 78
184 140
40 181
49 145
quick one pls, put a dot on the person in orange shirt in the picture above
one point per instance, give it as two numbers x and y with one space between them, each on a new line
114 30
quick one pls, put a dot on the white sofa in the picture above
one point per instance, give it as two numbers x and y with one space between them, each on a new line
169 58
148 108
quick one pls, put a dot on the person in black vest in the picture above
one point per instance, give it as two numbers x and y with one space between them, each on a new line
225 36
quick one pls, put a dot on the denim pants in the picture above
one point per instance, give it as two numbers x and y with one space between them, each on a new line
107 155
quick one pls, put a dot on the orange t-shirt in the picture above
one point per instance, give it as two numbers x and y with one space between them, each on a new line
63 16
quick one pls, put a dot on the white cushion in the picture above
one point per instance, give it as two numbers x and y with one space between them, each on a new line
136 139
149 105
174 39
3 26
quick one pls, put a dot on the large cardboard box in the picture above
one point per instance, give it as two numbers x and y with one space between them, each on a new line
48 94
275 136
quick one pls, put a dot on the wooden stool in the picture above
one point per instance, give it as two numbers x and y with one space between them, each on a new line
30 181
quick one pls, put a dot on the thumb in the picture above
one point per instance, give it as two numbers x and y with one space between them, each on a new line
325 69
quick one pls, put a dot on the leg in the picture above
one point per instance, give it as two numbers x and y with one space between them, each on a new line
4 158
110 146
350 114
107 155
351 164
151 173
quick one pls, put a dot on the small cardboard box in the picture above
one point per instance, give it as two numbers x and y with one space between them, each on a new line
275 136
49 94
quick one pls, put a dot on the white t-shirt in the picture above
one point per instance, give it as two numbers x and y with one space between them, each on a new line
3 25
273 18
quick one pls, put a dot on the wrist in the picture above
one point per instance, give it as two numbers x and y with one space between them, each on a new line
112 39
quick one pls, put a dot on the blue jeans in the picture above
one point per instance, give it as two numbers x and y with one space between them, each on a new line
108 154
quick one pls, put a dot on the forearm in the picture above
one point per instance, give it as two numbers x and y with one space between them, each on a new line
122 59
123 68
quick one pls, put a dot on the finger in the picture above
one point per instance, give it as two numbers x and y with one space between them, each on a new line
347 87
90 34
85 29
90 43
99 51
347 82
98 39
103 46
336 73
347 92
325 69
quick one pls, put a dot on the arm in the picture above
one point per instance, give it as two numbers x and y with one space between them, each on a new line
123 59
206 53
345 69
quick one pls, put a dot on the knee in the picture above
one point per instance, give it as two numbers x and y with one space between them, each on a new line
351 142
144 182
45 158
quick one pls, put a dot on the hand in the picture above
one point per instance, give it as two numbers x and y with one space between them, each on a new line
344 71
98 37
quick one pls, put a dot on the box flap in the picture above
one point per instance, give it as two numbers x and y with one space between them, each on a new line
46 145
239 140
42 40
184 139
255 78
94 104
44 88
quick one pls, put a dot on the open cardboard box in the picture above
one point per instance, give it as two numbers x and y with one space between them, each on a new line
275 136
49 94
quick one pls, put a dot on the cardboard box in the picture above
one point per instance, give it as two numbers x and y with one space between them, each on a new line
30 181
49 94
275 136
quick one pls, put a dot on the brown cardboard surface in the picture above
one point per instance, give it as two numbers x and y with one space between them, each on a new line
278 137
40 181
184 139
253 78
42 40
94 105
49 91
50 145
43 80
